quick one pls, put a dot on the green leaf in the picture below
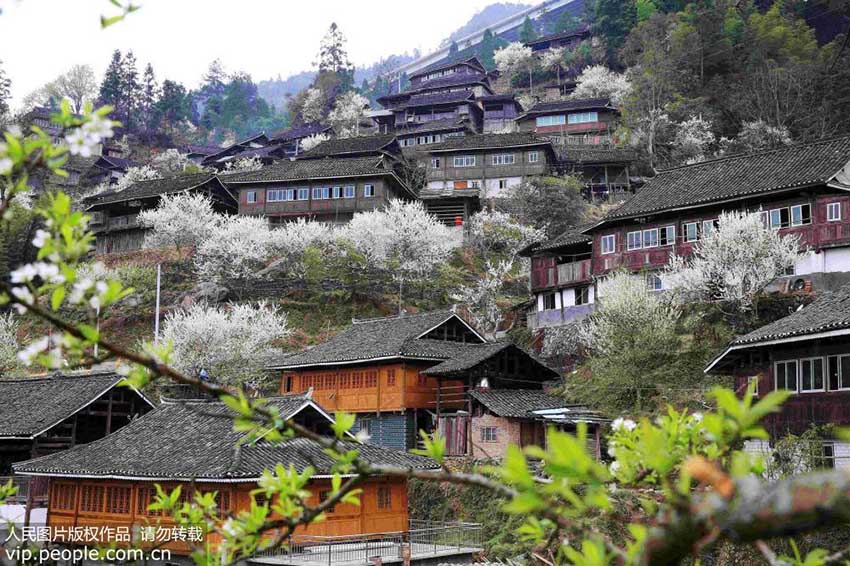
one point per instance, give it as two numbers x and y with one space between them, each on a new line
57 298
342 423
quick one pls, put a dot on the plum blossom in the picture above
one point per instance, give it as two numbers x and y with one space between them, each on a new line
623 424
614 467
41 237
6 164
48 272
83 140
79 143
28 354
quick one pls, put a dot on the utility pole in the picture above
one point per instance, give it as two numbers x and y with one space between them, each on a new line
156 313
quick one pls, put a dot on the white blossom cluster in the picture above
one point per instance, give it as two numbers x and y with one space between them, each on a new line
243 165
84 140
482 296
348 111
598 81
182 220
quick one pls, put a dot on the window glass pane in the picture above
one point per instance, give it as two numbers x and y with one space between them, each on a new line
806 376
634 240
832 372
650 238
817 373
775 218
780 376
845 371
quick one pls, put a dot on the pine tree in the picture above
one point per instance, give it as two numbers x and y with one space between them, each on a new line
333 56
173 104
111 87
215 79
5 91
527 33
150 94
131 90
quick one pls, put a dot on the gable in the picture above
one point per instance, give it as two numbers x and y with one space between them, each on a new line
453 330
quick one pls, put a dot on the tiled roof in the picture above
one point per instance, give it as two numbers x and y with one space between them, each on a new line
473 60
389 337
438 98
201 149
454 79
739 176
574 153
571 237
196 440
830 311
468 357
259 152
567 106
434 126
118 162
31 405
340 147
520 403
154 188
558 35
299 132
498 98
490 141
306 169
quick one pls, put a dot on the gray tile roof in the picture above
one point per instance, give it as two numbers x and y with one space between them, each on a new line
456 97
298 132
196 440
341 147
471 60
491 141
830 311
390 337
520 403
738 176
155 188
574 236
307 169
570 153
454 79
467 358
571 105
29 406
434 126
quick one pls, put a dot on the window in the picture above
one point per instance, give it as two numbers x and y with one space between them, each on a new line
583 117
801 214
811 374
489 434
549 301
317 193
690 232
503 159
786 375
475 184
633 241
503 183
92 499
609 243
117 500
323 496
780 218
385 497
349 191
435 163
753 383
304 194
582 295
251 197
654 282
667 236
827 457
464 161
838 372
833 212
650 238
391 377
289 195
366 425
533 156
368 190
708 226
557 120
337 192
274 195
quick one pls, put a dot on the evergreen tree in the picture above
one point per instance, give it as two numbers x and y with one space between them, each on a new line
527 33
613 20
488 46
333 56
111 87
5 91
150 95
453 47
566 22
172 105
215 79
131 91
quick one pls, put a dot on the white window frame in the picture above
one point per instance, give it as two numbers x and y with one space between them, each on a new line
464 161
796 375
349 191
533 156
812 361
251 197
552 120
435 163
583 117
711 224
317 193
833 212
503 159
304 193
485 437
802 221
612 238
630 236
649 233
753 379
841 377
669 234
685 236
274 195
368 190
336 192
654 282
289 194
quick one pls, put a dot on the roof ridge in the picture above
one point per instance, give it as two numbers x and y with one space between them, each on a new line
741 155
399 316
60 375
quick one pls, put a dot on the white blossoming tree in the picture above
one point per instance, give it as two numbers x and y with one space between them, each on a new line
243 165
734 262
243 245
9 344
694 138
224 341
756 136
133 175
482 296
310 142
313 109
172 162
180 221
402 238
554 59
598 81
348 111
515 58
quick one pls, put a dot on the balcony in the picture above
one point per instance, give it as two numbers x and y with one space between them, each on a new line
423 542
115 223
558 317
27 486
561 274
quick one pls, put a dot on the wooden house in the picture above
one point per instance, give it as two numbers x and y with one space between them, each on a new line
604 171
560 40
325 189
418 136
197 153
377 146
589 121
225 154
290 139
522 417
407 373
114 214
808 354
45 415
500 112
801 189
192 443
108 169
